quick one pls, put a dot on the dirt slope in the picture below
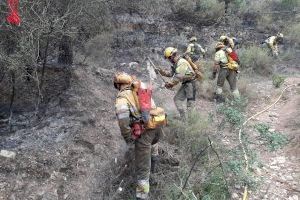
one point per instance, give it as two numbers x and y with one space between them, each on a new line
64 154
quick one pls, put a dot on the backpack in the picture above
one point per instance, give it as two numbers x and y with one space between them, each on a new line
152 117
233 59
196 68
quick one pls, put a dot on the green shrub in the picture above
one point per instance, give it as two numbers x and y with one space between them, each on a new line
200 12
256 59
238 5
294 33
277 80
274 140
233 111
215 188
289 4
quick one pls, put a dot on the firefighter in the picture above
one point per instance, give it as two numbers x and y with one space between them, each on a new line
221 67
194 50
145 145
181 72
272 42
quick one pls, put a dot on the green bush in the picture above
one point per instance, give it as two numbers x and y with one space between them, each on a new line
215 188
200 12
277 80
233 111
274 140
256 60
294 33
289 4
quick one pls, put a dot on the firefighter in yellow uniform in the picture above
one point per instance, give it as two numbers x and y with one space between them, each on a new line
127 111
224 73
183 73
194 50
273 41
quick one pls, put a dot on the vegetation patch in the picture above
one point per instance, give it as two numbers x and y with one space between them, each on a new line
277 80
256 60
274 140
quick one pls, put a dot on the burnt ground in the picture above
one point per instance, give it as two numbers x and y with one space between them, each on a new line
75 151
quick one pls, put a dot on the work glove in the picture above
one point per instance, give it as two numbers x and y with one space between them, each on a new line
129 140
169 85
213 76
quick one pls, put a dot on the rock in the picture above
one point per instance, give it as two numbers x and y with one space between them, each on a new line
237 187
235 196
258 171
294 197
7 154
273 114
289 178
275 167
278 160
272 130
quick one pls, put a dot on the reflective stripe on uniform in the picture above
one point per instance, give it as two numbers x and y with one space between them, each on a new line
142 189
123 115
219 90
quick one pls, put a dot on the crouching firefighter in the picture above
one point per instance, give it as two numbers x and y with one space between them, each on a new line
141 123
181 72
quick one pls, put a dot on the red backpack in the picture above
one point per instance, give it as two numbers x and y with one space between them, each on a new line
233 59
232 54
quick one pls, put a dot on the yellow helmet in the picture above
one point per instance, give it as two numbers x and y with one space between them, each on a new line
223 37
193 39
280 35
169 51
122 78
219 45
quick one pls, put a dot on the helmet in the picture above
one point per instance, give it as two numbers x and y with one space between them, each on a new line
280 35
122 78
222 38
193 39
169 51
219 45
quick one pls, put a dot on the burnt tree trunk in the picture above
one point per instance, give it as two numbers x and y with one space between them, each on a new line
65 51
12 96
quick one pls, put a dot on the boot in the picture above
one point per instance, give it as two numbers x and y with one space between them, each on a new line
182 114
219 98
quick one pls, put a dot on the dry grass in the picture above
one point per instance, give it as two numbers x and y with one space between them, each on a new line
203 12
256 60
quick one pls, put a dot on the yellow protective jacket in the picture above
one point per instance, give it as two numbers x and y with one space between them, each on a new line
181 71
272 44
221 58
191 48
127 111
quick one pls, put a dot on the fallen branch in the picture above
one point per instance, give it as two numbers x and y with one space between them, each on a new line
221 165
192 168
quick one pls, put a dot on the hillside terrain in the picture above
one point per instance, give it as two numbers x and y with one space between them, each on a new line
63 141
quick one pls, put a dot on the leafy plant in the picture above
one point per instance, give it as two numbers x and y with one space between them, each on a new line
215 187
274 140
233 111
277 80
294 33
289 4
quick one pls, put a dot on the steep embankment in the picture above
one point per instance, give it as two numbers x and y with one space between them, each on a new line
66 153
